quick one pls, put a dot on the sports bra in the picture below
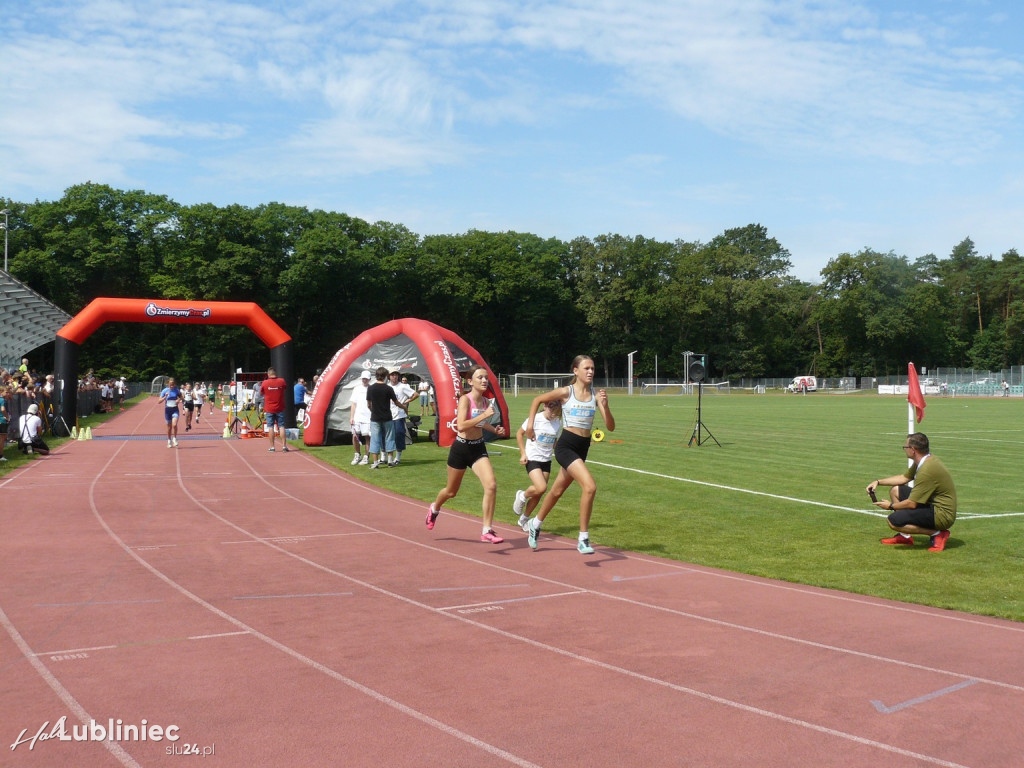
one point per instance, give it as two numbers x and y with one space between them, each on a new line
579 414
474 411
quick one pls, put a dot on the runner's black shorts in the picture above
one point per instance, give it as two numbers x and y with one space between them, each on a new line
571 447
543 466
465 453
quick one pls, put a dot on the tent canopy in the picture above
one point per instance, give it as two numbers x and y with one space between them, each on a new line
414 347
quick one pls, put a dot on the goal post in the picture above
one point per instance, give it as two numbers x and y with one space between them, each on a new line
669 388
677 388
538 382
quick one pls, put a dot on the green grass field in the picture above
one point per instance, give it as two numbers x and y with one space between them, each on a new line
783 496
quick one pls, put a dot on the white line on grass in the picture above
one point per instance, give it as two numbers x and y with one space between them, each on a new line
960 516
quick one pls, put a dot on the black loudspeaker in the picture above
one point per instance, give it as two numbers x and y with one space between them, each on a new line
696 371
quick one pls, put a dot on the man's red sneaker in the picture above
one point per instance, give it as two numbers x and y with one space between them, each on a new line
939 541
899 538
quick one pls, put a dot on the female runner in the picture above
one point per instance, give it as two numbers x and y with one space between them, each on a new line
169 396
468 451
535 455
580 403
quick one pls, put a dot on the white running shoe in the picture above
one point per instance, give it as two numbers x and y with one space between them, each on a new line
520 503
175 441
355 459
168 443
365 459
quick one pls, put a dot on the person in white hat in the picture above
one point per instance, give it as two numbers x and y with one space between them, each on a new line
30 432
359 419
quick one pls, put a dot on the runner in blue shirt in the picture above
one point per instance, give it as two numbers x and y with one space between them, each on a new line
170 396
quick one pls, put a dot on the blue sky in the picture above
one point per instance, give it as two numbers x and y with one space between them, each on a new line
837 125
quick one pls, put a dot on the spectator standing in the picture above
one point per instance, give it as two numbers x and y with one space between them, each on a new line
272 394
405 395
299 396
424 391
359 419
379 397
258 396
107 396
4 422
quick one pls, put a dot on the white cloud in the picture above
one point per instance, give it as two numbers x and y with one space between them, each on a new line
579 113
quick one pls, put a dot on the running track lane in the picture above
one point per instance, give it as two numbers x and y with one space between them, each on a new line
287 614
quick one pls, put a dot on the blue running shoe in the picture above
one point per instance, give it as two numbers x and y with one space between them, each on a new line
584 548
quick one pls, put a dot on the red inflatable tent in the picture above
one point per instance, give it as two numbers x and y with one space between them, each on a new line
417 348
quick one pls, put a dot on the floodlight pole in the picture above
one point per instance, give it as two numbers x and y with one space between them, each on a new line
6 213
629 372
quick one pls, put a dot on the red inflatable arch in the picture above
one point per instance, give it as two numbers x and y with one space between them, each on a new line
416 347
105 310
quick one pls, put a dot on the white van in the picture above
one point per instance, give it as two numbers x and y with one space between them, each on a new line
803 384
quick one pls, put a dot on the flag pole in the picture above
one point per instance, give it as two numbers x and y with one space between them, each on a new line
910 426
915 401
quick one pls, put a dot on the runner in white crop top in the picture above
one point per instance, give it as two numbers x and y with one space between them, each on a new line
579 414
579 404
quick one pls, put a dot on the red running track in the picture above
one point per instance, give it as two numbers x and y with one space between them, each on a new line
281 613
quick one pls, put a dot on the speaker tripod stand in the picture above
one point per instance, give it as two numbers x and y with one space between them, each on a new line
699 428
696 373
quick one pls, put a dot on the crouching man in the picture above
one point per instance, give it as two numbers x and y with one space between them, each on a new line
929 508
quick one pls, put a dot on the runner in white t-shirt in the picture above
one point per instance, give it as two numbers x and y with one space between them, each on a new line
535 455
199 397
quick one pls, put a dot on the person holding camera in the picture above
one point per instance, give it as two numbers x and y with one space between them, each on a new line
30 432
929 507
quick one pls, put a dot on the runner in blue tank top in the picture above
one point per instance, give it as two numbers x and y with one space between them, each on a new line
580 403
170 396
472 417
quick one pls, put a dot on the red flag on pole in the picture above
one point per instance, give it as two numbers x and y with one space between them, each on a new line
914 395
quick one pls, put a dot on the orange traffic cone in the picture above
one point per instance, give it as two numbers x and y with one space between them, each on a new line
245 430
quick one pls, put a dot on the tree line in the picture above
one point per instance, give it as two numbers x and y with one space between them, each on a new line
526 302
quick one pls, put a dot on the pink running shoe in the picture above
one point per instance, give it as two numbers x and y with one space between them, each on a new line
431 517
492 537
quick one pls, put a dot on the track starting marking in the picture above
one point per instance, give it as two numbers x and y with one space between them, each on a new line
920 699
